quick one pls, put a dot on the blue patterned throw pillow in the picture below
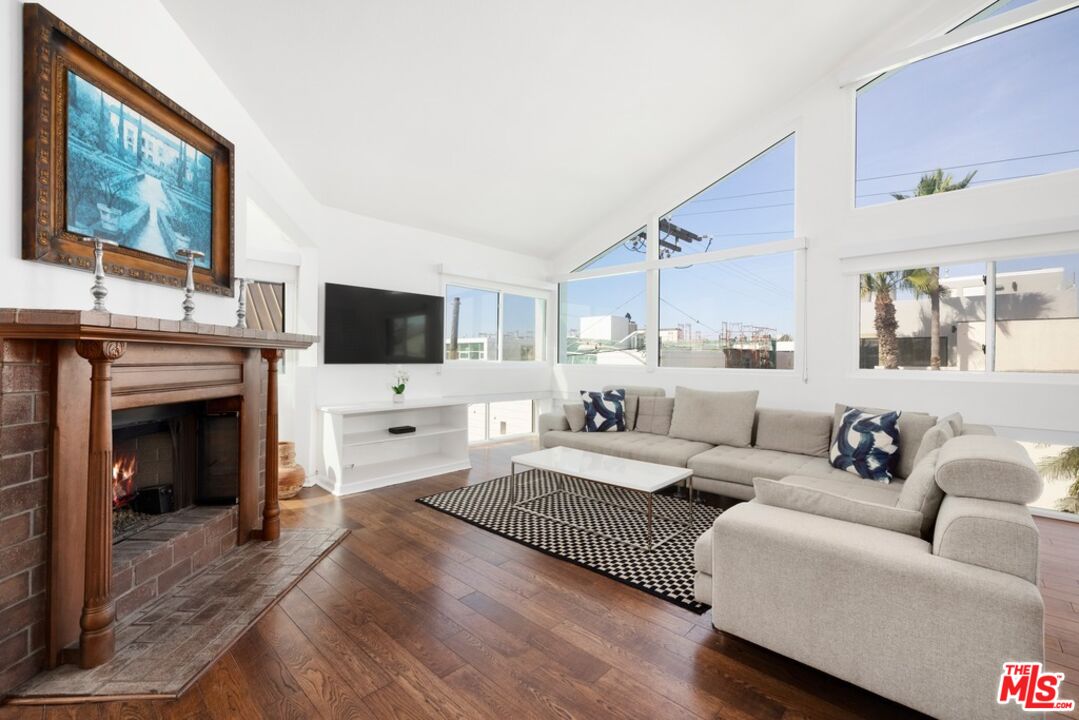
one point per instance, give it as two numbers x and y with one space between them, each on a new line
604 411
867 444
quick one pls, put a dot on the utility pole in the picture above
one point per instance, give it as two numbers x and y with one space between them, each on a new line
453 328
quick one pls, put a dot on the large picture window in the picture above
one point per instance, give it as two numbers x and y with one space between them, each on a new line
752 204
489 325
1005 316
985 112
728 314
719 286
602 320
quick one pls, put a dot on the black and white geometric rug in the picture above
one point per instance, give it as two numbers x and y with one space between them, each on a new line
666 572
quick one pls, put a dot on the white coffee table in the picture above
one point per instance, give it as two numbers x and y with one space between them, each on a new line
643 477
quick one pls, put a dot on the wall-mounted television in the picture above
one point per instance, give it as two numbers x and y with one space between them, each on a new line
370 326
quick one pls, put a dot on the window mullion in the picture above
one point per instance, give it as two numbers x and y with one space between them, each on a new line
991 316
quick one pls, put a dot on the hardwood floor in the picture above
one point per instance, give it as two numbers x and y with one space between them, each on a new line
420 615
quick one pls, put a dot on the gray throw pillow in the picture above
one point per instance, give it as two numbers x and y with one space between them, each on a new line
920 491
837 507
654 414
718 418
939 434
574 416
794 431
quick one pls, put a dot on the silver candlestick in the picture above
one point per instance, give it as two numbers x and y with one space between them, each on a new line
98 290
189 285
241 303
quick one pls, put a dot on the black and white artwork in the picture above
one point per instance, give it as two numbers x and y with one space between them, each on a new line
131 181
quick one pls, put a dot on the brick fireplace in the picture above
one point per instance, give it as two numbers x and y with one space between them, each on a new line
103 414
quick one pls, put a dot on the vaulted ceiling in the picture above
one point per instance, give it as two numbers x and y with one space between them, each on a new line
517 123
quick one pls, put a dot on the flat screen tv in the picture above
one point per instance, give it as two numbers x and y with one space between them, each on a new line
369 326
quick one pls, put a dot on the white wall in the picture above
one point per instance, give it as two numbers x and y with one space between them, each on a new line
371 253
290 234
982 220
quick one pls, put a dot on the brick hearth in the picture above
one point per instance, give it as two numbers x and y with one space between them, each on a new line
150 563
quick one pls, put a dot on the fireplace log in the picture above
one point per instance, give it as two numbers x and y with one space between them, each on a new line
271 523
97 640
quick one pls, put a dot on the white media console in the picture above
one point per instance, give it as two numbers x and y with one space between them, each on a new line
359 453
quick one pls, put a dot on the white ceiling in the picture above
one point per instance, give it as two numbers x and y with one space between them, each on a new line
516 123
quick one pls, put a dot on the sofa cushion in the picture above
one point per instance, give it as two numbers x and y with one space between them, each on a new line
633 394
741 465
921 492
850 487
912 426
826 504
988 467
604 411
939 434
702 552
632 445
866 444
654 414
796 431
955 420
574 416
718 418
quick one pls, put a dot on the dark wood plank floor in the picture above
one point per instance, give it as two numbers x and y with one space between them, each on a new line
419 615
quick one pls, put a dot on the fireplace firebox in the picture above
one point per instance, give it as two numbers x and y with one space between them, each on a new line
169 457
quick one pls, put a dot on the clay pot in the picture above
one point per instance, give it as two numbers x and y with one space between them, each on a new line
290 476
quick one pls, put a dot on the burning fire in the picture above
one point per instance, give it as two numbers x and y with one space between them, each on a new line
123 480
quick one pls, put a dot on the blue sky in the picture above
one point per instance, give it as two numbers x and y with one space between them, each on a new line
978 107
479 312
1010 96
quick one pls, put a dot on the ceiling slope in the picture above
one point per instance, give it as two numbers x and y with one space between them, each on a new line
515 124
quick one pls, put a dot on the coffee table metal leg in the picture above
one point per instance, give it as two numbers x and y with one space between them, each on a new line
650 522
513 483
692 505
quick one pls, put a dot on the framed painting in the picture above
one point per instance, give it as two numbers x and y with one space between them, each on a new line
107 155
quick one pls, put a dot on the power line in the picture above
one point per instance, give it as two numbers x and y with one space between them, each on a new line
883 177
975 182
729 210
970 165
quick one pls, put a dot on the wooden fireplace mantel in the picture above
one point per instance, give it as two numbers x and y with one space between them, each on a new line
107 361
93 325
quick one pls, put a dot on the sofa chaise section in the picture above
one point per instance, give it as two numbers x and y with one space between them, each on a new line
927 622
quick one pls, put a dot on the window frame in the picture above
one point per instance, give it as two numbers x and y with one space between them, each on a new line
956 33
990 373
501 289
487 439
797 244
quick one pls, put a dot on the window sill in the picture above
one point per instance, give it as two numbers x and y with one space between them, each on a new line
494 364
969 376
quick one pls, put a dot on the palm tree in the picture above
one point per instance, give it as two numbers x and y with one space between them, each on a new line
1064 466
881 287
925 282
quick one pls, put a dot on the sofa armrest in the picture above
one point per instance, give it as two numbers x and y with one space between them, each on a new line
873 607
996 535
971 429
551 421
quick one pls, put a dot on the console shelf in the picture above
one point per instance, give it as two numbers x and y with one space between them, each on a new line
359 453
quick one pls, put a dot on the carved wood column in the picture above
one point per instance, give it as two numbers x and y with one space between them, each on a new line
271 523
97 641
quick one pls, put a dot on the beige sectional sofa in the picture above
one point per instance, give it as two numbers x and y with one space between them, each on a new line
918 590
781 443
